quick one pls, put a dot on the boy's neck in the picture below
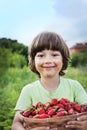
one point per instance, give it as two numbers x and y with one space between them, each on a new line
50 83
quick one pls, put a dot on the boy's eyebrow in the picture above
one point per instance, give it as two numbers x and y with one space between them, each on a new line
39 52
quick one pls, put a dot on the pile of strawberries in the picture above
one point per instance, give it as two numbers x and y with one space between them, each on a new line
54 108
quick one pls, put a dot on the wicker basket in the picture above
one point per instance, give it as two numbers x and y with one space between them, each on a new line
54 122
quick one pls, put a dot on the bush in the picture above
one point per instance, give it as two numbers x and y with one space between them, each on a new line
5 55
17 60
79 59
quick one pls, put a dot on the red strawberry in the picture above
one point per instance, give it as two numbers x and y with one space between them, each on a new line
26 113
75 112
44 116
64 101
49 108
61 109
54 101
37 116
83 108
77 107
68 107
59 105
39 104
61 113
34 112
51 112
30 116
71 111
41 111
41 116
73 104
46 105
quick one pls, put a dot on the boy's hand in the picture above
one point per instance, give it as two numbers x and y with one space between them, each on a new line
81 123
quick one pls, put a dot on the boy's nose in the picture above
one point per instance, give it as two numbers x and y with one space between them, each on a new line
48 59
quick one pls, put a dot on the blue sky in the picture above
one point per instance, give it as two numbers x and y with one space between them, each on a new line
22 20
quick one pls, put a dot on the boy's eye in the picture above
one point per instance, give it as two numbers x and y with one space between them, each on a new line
55 54
40 55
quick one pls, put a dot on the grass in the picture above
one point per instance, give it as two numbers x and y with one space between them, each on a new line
79 74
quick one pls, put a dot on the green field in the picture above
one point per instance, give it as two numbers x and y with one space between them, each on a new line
13 81
79 74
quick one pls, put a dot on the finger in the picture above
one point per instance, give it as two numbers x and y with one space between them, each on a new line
74 124
82 118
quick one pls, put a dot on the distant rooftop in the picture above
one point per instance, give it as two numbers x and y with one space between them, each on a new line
79 46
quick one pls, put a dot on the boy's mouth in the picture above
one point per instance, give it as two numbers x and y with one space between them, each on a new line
48 67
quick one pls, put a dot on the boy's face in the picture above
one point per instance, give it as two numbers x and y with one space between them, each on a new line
48 63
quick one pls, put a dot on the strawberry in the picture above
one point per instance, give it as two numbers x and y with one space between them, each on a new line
36 116
41 116
41 111
62 113
30 116
49 108
68 107
44 116
61 109
71 111
47 105
54 101
75 112
55 107
51 112
83 108
39 104
34 112
26 113
59 105
77 107
73 104
64 101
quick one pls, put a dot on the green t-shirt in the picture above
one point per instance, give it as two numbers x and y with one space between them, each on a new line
35 92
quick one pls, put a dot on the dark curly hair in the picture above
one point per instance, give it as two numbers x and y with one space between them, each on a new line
49 41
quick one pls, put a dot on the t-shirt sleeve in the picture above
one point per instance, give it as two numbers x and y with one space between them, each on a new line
24 100
80 93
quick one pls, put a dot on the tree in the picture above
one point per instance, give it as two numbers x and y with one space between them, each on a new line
14 46
79 59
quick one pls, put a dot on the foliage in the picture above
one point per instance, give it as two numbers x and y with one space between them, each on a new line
79 74
18 61
9 59
10 87
6 112
13 45
5 55
79 59
12 54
